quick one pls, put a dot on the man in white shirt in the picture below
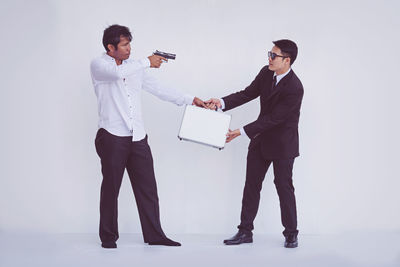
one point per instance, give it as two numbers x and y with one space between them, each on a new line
121 141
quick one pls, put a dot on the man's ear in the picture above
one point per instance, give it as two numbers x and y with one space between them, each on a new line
288 60
111 47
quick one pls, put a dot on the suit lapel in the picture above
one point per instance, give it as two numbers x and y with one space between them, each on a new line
281 85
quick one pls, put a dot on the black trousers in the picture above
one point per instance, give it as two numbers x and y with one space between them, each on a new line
257 167
117 154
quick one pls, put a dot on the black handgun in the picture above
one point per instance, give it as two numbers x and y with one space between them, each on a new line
166 55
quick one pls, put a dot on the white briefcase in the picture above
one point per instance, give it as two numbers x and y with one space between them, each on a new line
204 126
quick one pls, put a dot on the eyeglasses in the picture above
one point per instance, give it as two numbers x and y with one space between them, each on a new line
273 55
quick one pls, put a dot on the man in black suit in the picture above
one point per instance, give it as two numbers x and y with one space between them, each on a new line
274 138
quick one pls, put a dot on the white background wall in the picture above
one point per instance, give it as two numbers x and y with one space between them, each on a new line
346 178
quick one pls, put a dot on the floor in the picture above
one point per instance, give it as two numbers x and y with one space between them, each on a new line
376 249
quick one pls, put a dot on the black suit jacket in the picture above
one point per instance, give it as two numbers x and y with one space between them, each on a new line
276 128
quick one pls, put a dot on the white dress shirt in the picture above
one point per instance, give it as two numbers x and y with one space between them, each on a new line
118 89
278 78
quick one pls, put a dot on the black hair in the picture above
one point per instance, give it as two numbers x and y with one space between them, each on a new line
113 33
288 48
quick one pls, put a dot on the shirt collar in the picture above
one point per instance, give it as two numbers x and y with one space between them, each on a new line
110 58
280 76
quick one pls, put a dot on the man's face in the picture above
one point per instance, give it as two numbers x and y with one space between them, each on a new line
278 63
124 49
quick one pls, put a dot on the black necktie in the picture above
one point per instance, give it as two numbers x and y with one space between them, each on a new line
274 82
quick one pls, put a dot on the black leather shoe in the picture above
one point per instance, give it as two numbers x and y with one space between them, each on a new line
240 238
109 245
291 241
166 242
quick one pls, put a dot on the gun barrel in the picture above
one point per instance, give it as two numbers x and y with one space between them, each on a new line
166 55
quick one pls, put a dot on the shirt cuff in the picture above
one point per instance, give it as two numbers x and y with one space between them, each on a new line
242 132
188 99
222 103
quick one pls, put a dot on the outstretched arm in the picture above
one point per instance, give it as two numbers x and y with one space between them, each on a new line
151 85
249 93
